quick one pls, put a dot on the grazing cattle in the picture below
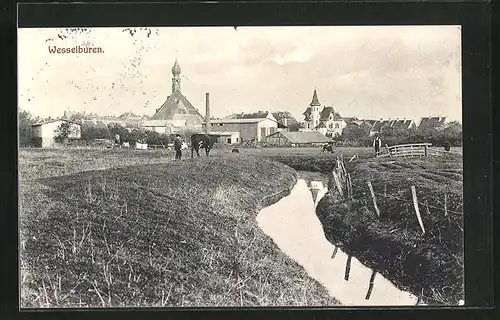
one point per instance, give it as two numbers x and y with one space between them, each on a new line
235 151
202 141
327 147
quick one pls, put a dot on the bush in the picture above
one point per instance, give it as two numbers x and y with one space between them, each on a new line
95 132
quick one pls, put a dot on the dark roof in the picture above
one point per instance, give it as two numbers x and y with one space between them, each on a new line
371 122
320 125
349 119
307 114
302 136
127 115
177 103
253 120
431 122
403 123
54 120
315 101
327 111
379 124
408 123
281 125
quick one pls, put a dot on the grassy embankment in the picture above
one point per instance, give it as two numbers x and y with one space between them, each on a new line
429 265
161 234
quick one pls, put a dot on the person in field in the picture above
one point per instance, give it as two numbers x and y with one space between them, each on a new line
447 146
377 143
178 147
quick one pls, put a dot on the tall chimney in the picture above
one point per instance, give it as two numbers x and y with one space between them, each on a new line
207 113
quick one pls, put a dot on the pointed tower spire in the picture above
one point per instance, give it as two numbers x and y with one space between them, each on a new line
176 79
315 100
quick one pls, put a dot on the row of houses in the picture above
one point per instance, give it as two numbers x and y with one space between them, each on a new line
329 122
177 115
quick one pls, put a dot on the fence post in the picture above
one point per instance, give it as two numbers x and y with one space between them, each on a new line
425 150
335 252
417 211
373 197
445 205
337 183
347 268
370 287
349 185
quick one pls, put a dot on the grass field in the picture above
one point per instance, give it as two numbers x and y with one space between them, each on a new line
133 228
428 265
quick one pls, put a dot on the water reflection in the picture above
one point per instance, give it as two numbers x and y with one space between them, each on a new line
293 225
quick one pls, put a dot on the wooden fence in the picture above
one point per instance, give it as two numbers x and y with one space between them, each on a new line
344 188
414 150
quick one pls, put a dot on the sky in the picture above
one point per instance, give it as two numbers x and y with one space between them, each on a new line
362 71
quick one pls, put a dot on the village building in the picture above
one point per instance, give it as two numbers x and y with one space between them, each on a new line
44 133
431 122
297 138
378 125
250 129
176 113
322 119
227 137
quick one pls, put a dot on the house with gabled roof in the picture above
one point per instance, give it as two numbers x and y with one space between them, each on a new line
393 123
44 132
250 129
431 122
177 111
327 120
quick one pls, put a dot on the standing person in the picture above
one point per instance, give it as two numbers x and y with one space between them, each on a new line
377 143
178 146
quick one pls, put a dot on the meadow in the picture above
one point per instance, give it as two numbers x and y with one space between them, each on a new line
429 264
127 228
132 228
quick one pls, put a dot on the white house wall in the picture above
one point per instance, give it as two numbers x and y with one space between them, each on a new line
270 128
48 130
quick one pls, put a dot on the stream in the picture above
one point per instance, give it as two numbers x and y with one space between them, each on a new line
293 225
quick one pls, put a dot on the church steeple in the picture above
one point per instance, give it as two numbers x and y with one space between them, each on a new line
176 77
315 113
315 101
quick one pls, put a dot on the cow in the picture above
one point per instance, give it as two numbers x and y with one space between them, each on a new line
202 141
327 147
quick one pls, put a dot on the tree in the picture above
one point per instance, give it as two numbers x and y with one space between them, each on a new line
90 132
155 138
116 129
295 126
355 132
64 131
452 133
25 121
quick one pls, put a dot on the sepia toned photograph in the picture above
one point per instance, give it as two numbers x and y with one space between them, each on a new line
240 166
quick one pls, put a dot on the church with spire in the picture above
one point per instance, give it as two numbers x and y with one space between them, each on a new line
176 113
322 118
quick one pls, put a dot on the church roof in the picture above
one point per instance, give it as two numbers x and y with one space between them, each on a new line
175 104
315 101
176 69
